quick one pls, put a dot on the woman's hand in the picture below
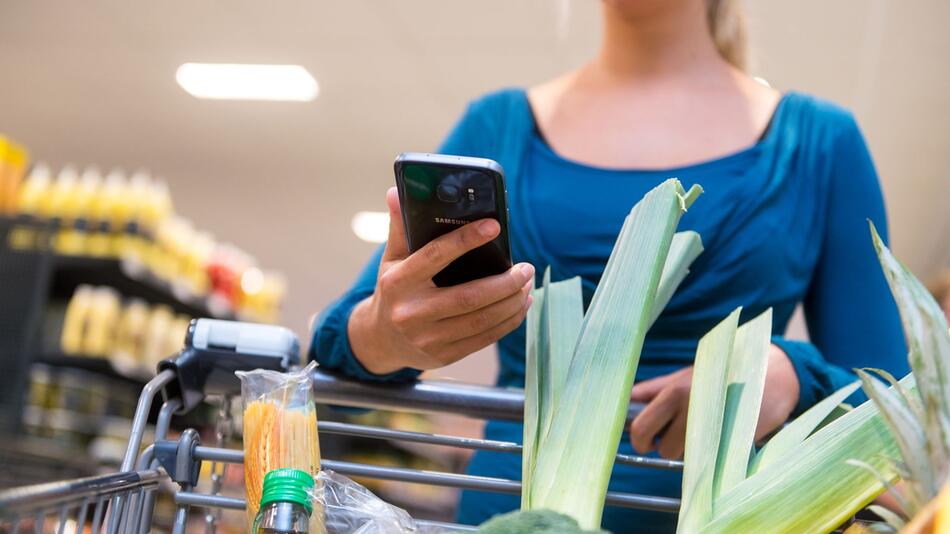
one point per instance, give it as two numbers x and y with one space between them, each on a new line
667 402
409 322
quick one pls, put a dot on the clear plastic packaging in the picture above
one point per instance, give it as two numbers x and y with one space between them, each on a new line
352 509
280 430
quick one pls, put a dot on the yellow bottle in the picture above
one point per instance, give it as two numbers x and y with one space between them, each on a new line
120 211
61 207
34 190
156 210
133 248
30 198
74 323
99 242
159 322
61 193
130 338
100 331
13 163
72 238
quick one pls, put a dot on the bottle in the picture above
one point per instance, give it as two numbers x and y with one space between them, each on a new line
34 191
285 503
75 322
100 242
140 186
30 199
71 239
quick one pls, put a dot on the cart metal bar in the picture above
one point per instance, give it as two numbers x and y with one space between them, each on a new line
497 485
347 429
214 454
188 498
169 407
141 416
451 527
435 478
236 456
331 427
426 396
42 495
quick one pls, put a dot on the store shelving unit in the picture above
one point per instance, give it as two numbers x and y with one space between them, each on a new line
35 285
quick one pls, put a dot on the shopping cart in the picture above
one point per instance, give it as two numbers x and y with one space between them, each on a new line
124 502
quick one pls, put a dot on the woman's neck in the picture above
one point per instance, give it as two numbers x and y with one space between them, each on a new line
675 40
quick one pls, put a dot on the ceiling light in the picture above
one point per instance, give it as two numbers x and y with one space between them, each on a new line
371 226
762 80
229 81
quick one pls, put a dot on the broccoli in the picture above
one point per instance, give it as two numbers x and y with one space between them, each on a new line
533 522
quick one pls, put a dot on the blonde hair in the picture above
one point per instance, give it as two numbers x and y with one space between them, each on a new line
727 25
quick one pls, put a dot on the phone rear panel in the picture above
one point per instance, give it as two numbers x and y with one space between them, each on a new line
441 193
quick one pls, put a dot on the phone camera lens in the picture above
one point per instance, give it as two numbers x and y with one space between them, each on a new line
447 193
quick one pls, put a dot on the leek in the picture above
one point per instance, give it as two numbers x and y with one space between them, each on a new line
824 466
579 372
802 483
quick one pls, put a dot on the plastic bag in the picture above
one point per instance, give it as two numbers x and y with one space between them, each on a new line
280 430
353 509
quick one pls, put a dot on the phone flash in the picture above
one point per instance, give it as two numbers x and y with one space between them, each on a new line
471 194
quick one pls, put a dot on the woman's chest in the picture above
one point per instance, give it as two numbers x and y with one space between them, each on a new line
761 227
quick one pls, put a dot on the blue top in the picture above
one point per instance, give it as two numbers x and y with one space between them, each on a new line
782 222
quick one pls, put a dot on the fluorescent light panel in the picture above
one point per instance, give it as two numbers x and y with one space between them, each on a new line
232 81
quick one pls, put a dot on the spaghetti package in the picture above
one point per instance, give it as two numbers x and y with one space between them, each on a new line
280 430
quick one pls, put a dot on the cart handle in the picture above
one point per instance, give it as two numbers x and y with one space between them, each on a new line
215 349
426 396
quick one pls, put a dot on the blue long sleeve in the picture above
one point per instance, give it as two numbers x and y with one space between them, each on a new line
331 342
852 318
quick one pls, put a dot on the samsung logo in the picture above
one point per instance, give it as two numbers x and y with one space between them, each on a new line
445 220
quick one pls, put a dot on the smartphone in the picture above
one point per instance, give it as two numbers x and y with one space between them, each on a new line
439 193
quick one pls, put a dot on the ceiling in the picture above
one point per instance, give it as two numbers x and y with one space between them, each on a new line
93 83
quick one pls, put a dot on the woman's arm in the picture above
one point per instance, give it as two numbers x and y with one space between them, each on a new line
331 343
851 315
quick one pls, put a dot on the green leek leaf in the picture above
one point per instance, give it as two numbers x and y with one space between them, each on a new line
795 432
746 383
704 423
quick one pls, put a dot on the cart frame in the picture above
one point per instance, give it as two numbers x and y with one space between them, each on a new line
124 501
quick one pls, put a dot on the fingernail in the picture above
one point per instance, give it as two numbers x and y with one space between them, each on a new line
527 271
530 301
488 228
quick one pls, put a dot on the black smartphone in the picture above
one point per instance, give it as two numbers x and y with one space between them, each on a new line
438 193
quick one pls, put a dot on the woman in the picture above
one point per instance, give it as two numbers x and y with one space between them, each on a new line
789 187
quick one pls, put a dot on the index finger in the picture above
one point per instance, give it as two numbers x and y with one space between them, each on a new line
437 254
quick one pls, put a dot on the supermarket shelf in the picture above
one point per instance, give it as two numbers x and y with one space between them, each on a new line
30 460
70 271
94 364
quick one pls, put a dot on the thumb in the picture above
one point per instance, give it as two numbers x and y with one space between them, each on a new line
397 247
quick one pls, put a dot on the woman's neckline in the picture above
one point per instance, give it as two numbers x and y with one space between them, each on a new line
767 136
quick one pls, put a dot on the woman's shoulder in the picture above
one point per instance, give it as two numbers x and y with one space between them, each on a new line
497 104
819 119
